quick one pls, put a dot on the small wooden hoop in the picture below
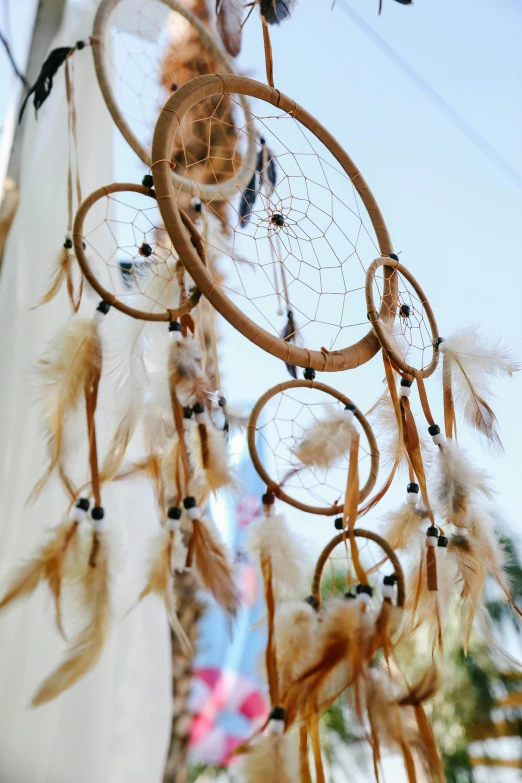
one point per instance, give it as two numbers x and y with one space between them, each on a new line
359 533
171 314
168 122
206 191
326 511
376 319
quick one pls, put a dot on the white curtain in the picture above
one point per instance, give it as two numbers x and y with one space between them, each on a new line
113 726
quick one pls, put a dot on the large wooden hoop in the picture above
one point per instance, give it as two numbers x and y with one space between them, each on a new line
185 184
376 318
327 511
170 314
168 123
359 533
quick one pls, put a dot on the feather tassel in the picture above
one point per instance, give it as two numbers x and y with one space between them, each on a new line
186 375
270 759
216 467
296 626
208 555
471 364
271 537
459 483
401 527
327 440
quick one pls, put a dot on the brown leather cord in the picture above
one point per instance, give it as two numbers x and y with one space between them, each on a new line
270 654
177 412
424 398
269 61
431 569
304 768
351 500
91 398
412 444
450 424
203 438
316 747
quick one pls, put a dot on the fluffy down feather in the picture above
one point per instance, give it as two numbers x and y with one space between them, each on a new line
48 564
88 646
459 483
402 526
160 581
185 371
270 536
296 627
270 759
326 441
471 364
217 472
73 362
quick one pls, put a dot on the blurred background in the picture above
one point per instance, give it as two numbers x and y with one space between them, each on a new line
427 100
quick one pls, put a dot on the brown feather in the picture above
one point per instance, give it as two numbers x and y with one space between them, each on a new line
88 646
73 362
229 24
213 566
118 446
271 759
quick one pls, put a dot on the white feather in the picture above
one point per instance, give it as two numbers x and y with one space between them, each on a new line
271 537
403 526
459 483
326 441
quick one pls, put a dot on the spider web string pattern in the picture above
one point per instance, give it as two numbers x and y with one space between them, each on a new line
283 424
297 239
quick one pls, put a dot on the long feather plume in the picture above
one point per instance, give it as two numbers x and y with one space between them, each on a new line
326 441
73 363
47 565
160 581
270 759
459 483
88 646
428 608
212 565
471 365
270 536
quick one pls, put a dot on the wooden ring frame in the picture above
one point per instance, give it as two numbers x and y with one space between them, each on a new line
168 123
377 539
171 314
326 511
185 184
376 319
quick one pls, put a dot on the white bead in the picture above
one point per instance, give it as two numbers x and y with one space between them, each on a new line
431 540
349 415
438 439
195 201
173 525
275 727
412 498
387 591
441 551
68 235
99 525
78 514
98 317
187 423
176 336
201 418
404 391
194 513
364 598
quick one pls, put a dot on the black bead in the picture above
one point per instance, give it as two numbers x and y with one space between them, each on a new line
277 219
173 86
198 407
222 402
262 140
350 595
148 181
438 341
443 542
97 513
103 307
268 499
68 243
434 429
197 206
394 256
309 374
405 311
145 250
174 326
389 580
405 382
174 512
83 503
187 412
312 600
412 487
351 408
84 245
277 713
339 523
364 589
80 45
432 531
189 502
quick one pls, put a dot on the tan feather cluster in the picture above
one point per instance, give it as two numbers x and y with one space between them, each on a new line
186 375
212 565
296 628
326 441
270 537
471 364
459 483
160 582
402 527
270 759
88 645
216 471
47 565
72 365
426 607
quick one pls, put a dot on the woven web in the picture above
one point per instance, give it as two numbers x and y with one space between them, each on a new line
282 425
297 239
411 334
339 574
130 252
